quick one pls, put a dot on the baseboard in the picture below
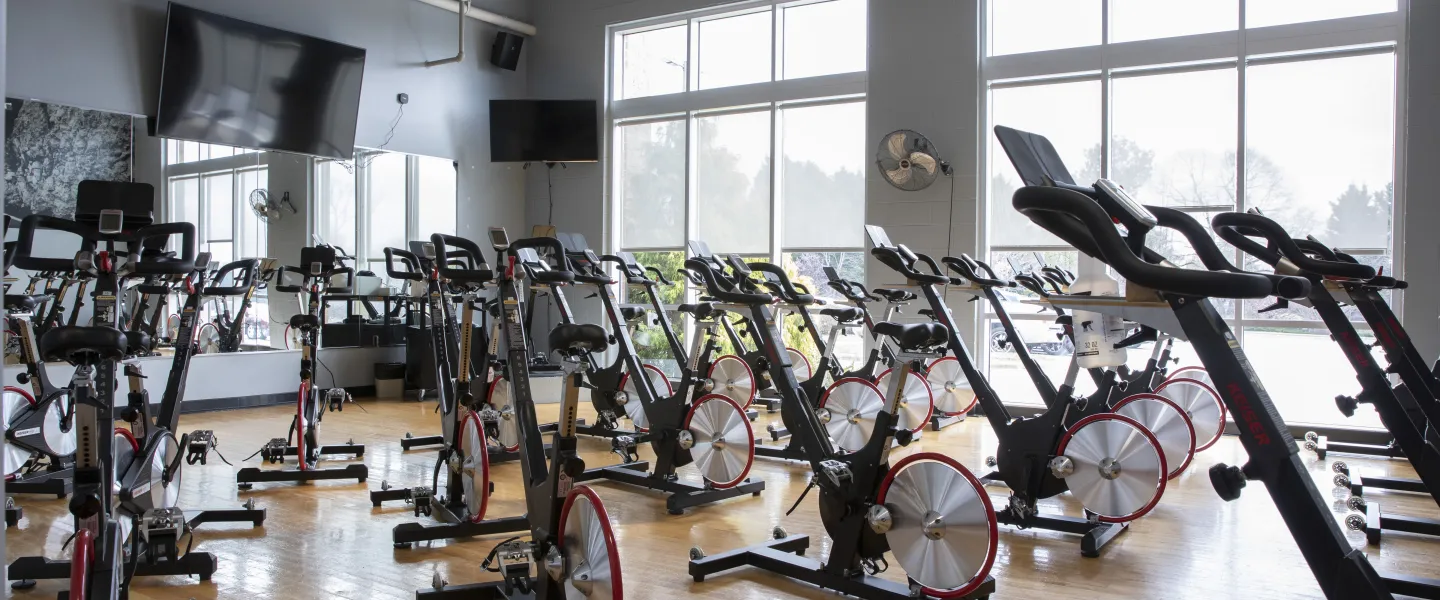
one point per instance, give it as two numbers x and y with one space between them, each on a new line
215 404
218 404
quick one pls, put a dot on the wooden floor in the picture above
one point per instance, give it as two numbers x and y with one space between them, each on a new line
325 541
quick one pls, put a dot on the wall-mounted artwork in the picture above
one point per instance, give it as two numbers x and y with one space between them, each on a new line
51 148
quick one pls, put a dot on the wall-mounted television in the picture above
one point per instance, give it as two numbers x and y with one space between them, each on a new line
228 81
544 131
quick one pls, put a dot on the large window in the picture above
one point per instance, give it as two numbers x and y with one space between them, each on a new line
213 186
1286 106
383 200
743 128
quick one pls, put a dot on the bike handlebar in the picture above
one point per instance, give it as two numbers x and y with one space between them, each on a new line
786 290
1080 220
411 262
712 285
969 268
1238 227
245 280
471 250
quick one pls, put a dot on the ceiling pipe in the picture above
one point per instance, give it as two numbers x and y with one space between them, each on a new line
497 20
460 48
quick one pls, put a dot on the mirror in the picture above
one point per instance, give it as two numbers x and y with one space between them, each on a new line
246 204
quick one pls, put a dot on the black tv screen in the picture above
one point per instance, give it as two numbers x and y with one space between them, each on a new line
544 131
232 82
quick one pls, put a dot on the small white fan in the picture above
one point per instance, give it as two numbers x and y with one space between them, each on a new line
909 161
265 208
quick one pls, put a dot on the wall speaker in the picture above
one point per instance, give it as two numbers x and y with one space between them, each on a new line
506 51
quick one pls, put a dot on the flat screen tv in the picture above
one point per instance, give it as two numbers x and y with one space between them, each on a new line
227 81
544 131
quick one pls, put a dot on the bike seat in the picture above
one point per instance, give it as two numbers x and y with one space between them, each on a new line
843 314
136 342
631 313
914 335
699 311
303 321
575 338
22 302
893 295
926 312
77 345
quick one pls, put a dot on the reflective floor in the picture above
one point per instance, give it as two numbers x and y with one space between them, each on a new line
324 540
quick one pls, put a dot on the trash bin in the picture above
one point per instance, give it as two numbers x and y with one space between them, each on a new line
389 380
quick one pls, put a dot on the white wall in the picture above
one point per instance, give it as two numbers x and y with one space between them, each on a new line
244 374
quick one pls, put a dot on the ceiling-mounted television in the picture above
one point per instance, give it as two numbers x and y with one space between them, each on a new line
228 81
544 131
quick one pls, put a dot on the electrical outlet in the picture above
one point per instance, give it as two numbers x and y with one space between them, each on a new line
403 98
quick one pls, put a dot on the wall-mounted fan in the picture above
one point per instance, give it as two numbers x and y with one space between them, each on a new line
909 161
266 208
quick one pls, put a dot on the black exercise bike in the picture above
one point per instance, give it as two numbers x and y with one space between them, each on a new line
319 267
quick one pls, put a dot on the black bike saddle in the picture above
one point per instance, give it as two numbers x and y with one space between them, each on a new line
914 335
843 314
81 344
575 338
893 295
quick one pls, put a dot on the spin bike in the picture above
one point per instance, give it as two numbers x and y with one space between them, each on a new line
226 333
1161 416
318 268
1111 463
927 509
1187 388
689 425
469 428
571 552
1405 416
951 397
445 346
613 392
127 482
40 417
1176 300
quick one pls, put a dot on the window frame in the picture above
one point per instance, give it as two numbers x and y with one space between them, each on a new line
693 103
239 163
358 168
1382 33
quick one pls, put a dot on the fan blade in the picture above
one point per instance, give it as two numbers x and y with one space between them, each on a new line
924 161
898 176
888 164
895 144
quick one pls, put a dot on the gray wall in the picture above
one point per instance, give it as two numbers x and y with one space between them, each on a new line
568 61
1420 118
4 9
941 219
105 54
